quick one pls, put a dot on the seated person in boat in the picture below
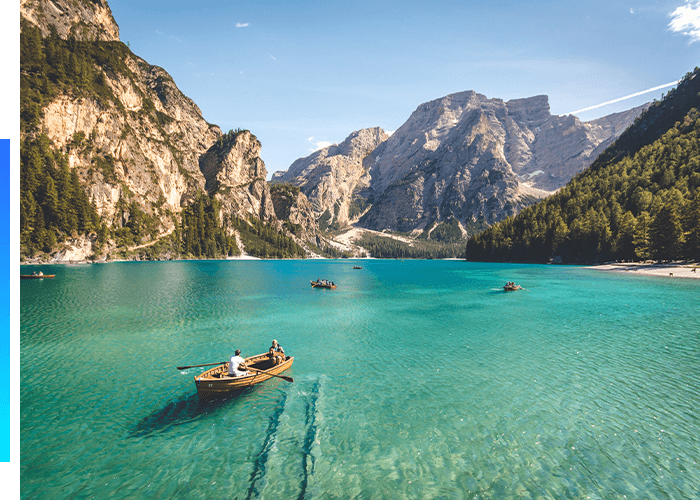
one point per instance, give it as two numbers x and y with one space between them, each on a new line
276 352
236 367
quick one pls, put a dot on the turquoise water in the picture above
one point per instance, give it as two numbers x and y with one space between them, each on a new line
412 380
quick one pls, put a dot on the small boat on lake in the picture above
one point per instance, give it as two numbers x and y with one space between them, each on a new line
511 287
36 276
216 382
323 284
357 267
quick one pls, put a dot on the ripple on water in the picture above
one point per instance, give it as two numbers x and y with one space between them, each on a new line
412 380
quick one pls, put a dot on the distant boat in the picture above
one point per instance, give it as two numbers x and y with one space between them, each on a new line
217 382
323 284
511 287
36 276
357 267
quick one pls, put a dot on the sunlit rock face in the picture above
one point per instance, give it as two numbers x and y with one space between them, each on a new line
464 155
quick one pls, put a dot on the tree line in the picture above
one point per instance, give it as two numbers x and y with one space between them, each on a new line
263 240
643 206
389 248
201 233
53 204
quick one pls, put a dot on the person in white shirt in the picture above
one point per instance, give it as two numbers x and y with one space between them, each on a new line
235 365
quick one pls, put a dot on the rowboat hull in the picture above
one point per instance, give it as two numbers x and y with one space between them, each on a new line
35 276
216 383
512 288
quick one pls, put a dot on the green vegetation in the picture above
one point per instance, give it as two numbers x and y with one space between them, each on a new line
202 234
53 203
389 248
51 66
263 240
285 189
447 232
624 207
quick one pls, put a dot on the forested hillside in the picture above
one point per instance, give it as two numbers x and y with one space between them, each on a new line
639 200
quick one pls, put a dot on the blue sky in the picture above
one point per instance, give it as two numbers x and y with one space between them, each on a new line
303 74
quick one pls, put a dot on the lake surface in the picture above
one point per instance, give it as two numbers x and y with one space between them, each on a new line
412 380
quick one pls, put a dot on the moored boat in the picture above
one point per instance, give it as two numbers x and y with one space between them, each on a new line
323 284
216 382
511 287
36 276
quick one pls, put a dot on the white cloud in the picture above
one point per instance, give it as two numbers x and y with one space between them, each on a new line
631 11
273 57
242 25
318 144
686 20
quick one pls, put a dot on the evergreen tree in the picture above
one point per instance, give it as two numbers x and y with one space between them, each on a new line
641 240
665 233
691 227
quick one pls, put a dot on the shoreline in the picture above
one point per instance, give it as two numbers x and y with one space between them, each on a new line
667 270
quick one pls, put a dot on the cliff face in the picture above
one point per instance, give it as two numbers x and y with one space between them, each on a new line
87 20
143 145
134 137
332 176
464 156
234 171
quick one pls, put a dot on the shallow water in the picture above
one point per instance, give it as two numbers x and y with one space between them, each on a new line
413 379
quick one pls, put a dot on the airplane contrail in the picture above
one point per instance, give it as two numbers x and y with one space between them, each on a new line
623 98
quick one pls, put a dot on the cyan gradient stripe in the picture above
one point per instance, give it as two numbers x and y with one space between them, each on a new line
5 321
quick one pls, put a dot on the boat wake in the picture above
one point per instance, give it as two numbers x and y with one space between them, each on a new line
290 448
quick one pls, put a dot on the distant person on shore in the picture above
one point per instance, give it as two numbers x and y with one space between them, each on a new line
236 367
276 353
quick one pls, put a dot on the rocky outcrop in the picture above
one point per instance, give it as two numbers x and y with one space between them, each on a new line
88 20
546 151
292 206
331 177
134 138
234 171
144 146
473 158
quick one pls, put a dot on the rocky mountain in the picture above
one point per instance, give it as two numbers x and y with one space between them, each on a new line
136 142
639 199
463 156
85 20
331 176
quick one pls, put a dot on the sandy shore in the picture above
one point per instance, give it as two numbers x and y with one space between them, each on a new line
669 270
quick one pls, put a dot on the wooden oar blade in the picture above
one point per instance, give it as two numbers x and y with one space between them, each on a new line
197 366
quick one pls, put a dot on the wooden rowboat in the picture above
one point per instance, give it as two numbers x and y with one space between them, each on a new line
36 276
217 382
511 287
320 284
357 267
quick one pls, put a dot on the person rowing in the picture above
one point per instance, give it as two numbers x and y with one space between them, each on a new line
236 367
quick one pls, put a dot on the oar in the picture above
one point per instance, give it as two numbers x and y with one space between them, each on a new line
288 379
197 366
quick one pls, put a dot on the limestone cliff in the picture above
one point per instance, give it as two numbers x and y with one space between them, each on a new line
132 136
464 156
86 20
234 171
331 177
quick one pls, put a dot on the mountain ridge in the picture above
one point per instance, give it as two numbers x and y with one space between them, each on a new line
463 156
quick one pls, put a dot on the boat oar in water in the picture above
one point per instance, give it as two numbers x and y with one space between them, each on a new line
197 366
